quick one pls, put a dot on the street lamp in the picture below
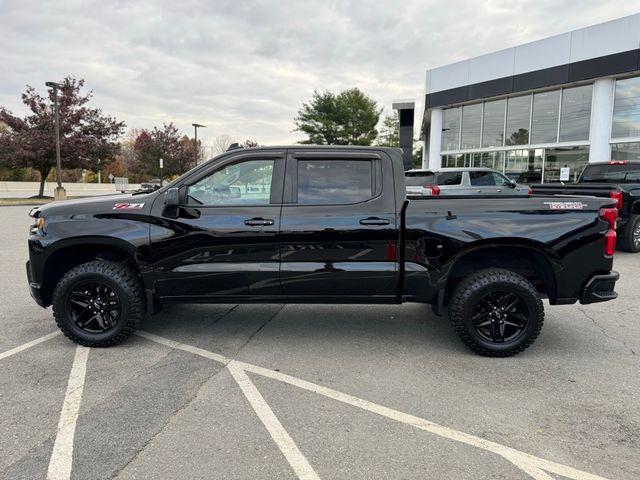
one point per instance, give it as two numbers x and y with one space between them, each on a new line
59 193
195 129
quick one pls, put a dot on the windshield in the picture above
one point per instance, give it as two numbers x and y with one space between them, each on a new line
606 173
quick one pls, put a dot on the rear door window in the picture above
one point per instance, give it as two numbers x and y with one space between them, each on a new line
335 182
449 178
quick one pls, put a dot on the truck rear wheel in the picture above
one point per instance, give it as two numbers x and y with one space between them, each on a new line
99 303
496 313
630 237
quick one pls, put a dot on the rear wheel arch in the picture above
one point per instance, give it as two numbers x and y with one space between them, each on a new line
531 262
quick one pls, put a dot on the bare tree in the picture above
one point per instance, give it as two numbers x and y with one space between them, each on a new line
222 143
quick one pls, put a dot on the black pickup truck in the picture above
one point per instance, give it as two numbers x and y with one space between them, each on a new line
618 180
308 224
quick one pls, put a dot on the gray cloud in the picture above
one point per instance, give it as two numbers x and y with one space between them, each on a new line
244 68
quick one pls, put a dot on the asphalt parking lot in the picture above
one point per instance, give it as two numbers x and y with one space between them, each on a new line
275 391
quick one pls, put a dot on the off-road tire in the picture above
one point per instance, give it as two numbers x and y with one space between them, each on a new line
473 288
627 240
124 282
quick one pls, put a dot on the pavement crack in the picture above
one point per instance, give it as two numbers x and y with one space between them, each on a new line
260 328
604 331
179 410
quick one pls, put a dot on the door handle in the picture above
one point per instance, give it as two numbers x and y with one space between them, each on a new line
478 190
258 222
372 221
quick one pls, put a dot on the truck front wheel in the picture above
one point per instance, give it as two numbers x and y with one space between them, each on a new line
99 303
496 313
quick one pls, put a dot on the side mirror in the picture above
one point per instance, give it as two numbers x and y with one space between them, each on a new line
172 197
512 184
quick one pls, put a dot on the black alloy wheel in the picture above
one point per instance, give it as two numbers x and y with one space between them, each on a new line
500 316
93 307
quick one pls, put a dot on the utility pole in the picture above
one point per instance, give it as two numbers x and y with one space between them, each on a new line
195 129
60 193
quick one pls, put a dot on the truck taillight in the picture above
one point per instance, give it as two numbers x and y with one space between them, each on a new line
610 215
432 189
618 162
617 196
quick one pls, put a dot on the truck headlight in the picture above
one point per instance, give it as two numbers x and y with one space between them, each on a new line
37 227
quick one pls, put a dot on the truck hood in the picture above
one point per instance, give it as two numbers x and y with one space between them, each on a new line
124 203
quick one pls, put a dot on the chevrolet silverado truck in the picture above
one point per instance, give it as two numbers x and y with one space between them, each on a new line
619 180
309 224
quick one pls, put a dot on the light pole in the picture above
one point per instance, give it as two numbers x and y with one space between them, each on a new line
59 193
195 129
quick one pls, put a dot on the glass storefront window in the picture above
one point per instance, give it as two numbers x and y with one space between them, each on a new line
575 114
493 123
626 151
451 128
524 166
493 160
573 158
626 109
544 122
518 113
471 121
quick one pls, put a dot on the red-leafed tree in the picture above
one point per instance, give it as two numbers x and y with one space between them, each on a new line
87 137
176 150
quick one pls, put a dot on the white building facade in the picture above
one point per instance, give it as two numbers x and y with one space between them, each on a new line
533 109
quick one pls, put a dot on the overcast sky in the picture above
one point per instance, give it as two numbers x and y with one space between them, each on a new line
244 68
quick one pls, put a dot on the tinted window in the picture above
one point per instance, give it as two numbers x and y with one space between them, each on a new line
245 183
544 123
611 173
518 112
482 179
322 182
575 114
493 126
488 179
471 120
626 108
451 128
418 179
450 178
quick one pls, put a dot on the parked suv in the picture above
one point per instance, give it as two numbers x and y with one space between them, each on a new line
461 181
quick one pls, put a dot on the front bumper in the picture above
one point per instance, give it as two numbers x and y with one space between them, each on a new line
600 288
35 288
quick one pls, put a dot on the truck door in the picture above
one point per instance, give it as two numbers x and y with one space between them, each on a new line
339 228
223 242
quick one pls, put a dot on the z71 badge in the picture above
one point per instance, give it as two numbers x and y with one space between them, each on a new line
128 206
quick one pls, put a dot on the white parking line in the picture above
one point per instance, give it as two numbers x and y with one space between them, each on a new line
534 466
285 443
183 346
62 456
30 344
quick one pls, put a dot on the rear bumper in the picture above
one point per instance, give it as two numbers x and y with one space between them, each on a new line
600 288
35 288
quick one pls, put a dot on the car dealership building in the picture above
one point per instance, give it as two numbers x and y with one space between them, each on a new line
533 109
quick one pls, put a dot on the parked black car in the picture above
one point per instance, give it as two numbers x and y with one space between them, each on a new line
307 224
618 180
150 185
